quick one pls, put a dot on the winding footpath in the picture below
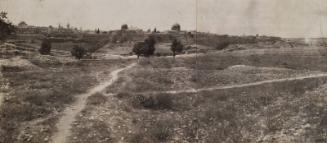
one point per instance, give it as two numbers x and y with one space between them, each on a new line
315 76
65 122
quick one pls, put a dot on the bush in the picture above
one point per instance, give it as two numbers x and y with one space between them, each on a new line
222 45
45 47
96 99
78 52
162 130
146 102
158 102
176 47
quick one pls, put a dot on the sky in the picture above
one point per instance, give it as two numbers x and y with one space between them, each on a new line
285 18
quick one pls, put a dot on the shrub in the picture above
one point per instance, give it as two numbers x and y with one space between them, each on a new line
146 102
45 47
78 52
96 99
222 45
158 102
164 101
176 47
162 130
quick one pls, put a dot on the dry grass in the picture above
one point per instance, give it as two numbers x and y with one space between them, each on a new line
39 94
232 115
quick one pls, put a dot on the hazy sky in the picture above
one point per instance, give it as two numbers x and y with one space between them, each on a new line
287 18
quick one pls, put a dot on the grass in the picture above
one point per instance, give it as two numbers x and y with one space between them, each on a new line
39 94
230 115
147 78
34 98
249 114
92 131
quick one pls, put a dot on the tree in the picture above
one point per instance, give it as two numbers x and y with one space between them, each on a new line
78 52
145 48
139 49
124 27
176 27
45 47
6 27
150 43
176 47
97 31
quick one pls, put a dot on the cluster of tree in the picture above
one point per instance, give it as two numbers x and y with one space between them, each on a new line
176 47
77 51
6 27
145 48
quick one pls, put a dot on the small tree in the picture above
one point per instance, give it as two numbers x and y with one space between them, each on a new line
176 27
176 47
139 49
97 31
124 27
78 52
150 43
45 48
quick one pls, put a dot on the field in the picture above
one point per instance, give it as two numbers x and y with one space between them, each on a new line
264 92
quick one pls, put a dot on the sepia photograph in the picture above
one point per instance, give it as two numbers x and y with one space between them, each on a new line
163 71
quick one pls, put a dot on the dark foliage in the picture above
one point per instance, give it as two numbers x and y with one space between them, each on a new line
6 28
145 48
45 47
176 27
124 27
222 45
78 52
158 102
97 31
176 47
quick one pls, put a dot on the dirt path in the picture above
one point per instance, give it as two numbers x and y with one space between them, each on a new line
1 98
65 122
233 86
